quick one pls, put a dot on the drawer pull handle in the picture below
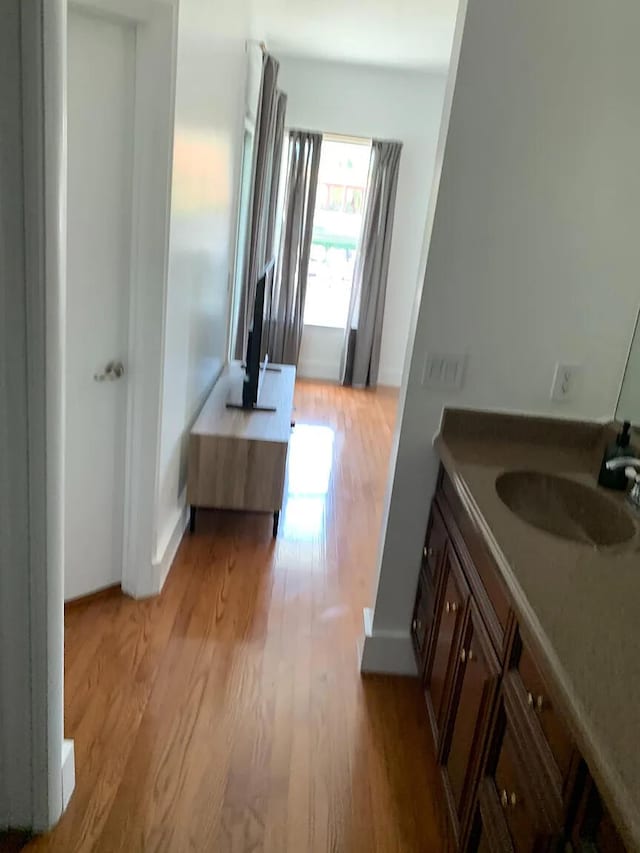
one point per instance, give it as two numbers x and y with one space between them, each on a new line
537 704
451 607
508 800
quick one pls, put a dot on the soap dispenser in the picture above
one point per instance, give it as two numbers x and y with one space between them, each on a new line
620 447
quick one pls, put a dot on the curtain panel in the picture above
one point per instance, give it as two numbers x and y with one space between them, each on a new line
265 170
361 352
287 312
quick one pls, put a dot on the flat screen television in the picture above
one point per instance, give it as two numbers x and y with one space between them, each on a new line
255 363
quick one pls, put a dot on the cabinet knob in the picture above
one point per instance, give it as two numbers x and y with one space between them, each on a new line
414 625
537 703
427 552
508 800
466 656
451 607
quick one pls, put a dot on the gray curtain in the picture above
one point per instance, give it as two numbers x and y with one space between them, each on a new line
361 354
265 160
287 310
278 141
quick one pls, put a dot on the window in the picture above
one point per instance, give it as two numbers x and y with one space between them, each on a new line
337 223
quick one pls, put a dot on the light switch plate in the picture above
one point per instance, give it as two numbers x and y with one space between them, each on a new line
444 371
564 382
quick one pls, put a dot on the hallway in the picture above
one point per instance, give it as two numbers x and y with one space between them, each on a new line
229 714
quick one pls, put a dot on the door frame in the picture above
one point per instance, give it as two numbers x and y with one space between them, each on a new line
156 26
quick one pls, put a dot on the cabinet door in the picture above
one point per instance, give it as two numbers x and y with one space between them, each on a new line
534 823
489 832
435 543
474 696
423 614
451 611
551 724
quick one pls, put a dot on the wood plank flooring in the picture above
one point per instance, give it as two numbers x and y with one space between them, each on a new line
228 714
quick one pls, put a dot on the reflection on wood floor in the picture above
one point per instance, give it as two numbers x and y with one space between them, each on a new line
228 714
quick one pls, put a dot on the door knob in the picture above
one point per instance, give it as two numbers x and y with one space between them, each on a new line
114 370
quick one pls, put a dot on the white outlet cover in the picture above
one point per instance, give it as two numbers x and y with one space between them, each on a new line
565 379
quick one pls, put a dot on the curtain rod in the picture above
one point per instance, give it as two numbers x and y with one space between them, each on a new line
343 137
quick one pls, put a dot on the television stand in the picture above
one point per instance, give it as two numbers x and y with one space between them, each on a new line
270 368
255 408
238 457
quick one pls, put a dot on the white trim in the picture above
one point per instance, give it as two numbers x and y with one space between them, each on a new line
31 617
68 773
386 652
156 27
163 562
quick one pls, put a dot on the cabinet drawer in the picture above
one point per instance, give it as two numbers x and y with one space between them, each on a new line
553 728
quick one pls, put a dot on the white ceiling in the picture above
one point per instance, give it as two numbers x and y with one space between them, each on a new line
403 33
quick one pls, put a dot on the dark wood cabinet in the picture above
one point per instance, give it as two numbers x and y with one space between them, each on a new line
513 778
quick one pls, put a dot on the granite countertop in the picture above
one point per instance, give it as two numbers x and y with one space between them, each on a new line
578 606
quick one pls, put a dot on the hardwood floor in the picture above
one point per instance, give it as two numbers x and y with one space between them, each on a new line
228 714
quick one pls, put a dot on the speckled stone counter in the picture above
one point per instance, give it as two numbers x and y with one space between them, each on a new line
578 606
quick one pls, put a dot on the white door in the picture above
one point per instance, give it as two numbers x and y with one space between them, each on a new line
101 69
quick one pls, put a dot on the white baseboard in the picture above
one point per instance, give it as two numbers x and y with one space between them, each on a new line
163 563
328 370
385 652
68 772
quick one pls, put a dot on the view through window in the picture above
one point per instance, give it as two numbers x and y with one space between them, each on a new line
337 224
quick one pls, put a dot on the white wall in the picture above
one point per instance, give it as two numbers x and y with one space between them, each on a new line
210 85
534 253
381 103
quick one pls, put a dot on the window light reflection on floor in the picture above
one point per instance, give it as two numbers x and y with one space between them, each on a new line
309 474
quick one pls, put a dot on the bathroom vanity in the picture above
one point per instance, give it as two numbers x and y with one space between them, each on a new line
525 631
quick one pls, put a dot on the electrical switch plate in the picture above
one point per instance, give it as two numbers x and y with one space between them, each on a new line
444 371
565 379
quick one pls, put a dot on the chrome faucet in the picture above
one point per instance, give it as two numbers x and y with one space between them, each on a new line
631 467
